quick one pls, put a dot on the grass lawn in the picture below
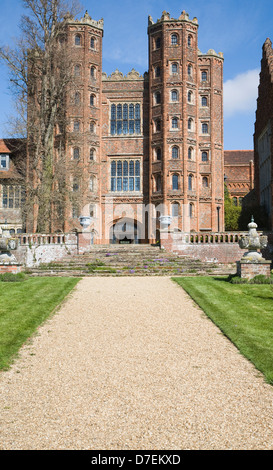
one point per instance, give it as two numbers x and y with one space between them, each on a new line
24 306
244 313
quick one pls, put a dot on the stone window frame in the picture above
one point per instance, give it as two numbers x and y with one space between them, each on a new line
175 152
174 92
157 98
174 123
76 153
204 99
77 98
203 159
204 75
175 181
157 42
158 154
190 71
134 107
191 182
77 70
175 209
92 100
77 37
93 40
176 65
76 126
191 124
93 72
125 175
173 41
191 210
205 128
92 127
190 40
157 71
205 181
191 153
12 196
92 154
4 162
190 97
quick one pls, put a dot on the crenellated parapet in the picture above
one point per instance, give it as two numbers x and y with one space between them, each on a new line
166 17
86 20
211 52
119 76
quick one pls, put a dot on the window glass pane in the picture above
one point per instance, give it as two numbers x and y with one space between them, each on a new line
204 157
113 184
174 68
113 111
137 184
131 184
119 184
125 111
131 111
119 111
113 169
119 168
125 168
125 127
137 168
137 111
125 184
131 127
137 127
131 168
119 127
175 182
174 152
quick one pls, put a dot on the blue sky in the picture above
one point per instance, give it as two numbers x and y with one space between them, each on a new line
236 28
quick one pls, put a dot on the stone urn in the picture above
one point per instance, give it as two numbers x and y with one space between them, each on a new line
85 221
8 261
253 242
165 221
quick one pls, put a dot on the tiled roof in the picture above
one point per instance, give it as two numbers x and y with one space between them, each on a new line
237 157
3 147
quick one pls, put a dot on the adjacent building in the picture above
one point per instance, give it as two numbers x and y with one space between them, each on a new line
263 141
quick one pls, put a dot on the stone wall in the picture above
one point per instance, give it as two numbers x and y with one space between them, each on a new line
36 249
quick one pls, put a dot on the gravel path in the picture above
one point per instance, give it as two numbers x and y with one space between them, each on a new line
131 363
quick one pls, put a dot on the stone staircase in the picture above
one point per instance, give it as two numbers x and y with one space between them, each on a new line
129 260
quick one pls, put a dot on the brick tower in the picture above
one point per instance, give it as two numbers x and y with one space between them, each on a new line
186 125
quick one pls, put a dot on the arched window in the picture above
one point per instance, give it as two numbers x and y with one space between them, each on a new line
157 72
205 128
174 39
175 152
189 70
93 72
189 40
175 123
174 67
158 43
92 154
158 183
92 183
92 127
158 125
75 186
157 98
76 153
92 100
190 153
205 182
92 210
204 76
77 40
158 153
190 124
77 98
92 43
190 183
204 156
175 182
191 210
189 96
175 209
174 95
76 126
204 101
77 70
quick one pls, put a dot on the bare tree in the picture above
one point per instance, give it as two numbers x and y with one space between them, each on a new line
41 74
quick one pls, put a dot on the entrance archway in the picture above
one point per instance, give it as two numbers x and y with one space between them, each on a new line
124 231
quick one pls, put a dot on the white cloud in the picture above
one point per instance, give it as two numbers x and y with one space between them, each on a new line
241 93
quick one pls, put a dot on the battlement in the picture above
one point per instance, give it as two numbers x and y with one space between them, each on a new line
119 76
166 17
86 20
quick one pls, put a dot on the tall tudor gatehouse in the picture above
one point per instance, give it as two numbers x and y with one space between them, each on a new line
152 141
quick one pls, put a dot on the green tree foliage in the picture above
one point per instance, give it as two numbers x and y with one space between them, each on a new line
232 213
